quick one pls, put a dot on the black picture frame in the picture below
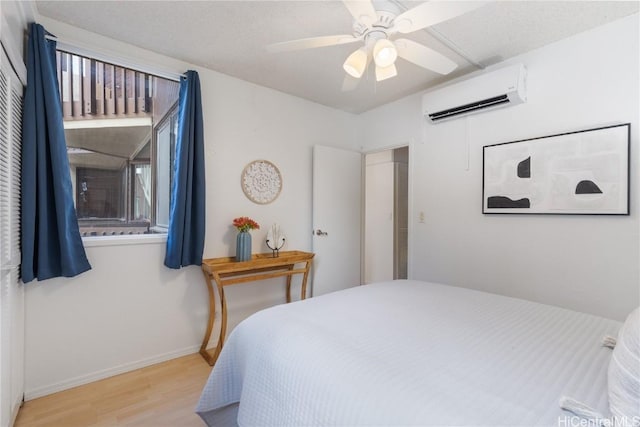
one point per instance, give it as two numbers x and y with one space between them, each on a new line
585 172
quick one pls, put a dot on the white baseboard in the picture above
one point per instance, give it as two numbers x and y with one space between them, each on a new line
106 373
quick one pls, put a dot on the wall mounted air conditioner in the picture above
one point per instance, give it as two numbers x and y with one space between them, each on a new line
495 89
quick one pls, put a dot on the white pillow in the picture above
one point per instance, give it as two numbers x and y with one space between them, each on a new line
624 373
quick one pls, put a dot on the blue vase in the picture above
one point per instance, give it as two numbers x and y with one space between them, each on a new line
243 246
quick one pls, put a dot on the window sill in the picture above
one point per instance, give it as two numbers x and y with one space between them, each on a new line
139 239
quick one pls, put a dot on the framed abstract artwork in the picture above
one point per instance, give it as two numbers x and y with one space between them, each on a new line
583 172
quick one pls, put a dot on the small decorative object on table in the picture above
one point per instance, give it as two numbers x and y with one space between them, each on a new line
243 239
275 240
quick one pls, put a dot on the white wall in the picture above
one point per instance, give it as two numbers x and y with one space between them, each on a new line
586 263
378 216
130 310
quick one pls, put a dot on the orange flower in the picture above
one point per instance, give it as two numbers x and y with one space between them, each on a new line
244 223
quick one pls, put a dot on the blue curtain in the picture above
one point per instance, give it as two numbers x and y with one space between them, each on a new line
51 242
185 241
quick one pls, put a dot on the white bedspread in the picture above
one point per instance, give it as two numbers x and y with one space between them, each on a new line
409 353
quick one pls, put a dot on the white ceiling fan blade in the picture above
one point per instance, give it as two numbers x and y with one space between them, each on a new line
362 11
386 72
311 42
424 56
432 13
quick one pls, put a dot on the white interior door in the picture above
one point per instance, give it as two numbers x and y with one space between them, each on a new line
337 217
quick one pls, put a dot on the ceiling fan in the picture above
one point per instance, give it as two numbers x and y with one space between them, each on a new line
376 24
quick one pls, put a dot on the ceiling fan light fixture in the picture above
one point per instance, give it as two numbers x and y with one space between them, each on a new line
384 73
356 63
384 53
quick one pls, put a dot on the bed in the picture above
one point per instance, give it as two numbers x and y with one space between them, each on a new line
410 353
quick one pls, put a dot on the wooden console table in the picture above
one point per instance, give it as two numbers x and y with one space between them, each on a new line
226 271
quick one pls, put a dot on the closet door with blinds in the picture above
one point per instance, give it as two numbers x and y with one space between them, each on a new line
11 288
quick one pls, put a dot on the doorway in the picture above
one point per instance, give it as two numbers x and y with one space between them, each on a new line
386 215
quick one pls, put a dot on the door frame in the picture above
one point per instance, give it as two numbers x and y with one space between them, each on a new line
410 208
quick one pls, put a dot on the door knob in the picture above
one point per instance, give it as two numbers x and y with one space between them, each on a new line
321 233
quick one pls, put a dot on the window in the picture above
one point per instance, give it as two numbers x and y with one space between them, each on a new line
120 127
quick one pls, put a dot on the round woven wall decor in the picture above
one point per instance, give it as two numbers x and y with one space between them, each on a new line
261 181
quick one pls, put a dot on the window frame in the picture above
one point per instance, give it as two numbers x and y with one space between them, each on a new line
172 113
159 232
131 166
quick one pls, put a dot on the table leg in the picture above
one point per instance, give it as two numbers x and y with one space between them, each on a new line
303 291
289 283
223 325
212 315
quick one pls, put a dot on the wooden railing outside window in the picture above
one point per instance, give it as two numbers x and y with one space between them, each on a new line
91 89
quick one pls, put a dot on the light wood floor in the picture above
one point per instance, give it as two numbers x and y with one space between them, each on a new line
160 395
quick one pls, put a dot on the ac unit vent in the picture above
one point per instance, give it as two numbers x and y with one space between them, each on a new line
496 89
478 105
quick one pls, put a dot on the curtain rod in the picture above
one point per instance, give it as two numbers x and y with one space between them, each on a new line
114 59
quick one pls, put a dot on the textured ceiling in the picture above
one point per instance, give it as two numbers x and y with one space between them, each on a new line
230 37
